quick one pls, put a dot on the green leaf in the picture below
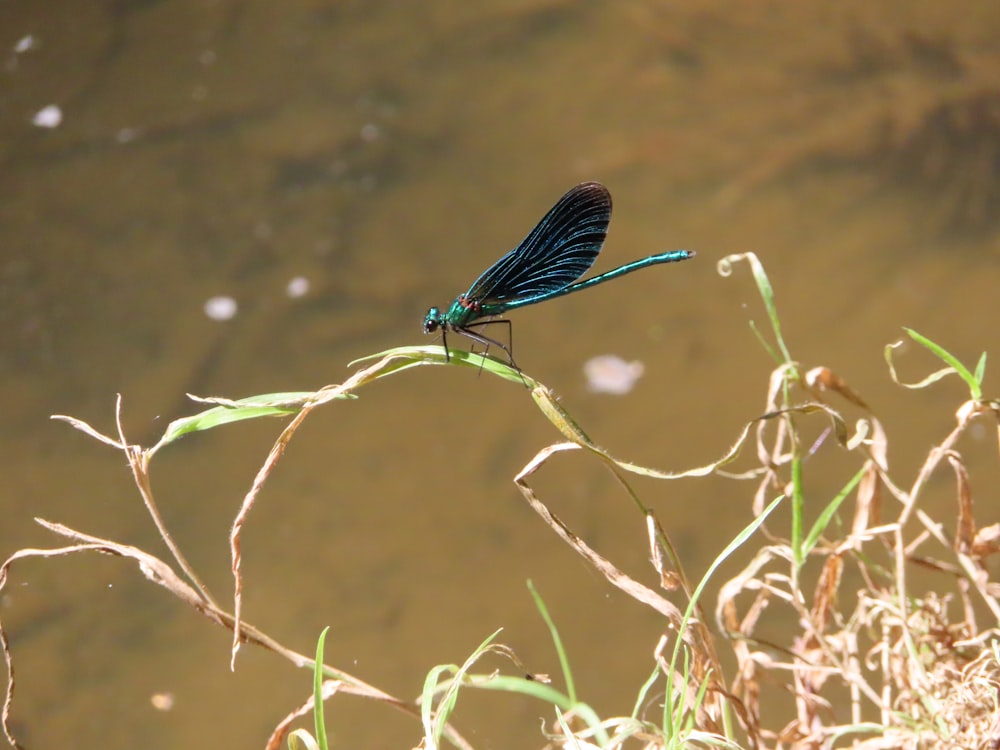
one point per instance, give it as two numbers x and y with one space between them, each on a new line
748 531
972 381
227 412
824 518
767 297
980 373
556 641
435 355
319 721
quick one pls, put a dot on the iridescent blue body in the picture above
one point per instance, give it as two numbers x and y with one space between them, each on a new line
557 252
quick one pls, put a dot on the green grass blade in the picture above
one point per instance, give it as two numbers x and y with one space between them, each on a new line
972 381
556 641
548 694
253 407
427 700
284 404
319 719
641 698
823 521
766 294
980 373
798 508
434 355
434 723
762 340
748 531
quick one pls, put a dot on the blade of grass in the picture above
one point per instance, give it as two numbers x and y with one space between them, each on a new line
798 507
253 407
434 722
548 694
980 372
434 355
821 523
972 381
725 267
556 641
319 720
668 723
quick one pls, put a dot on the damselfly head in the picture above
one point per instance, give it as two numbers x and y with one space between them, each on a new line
432 321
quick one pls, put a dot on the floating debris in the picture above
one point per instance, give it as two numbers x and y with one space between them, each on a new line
221 308
48 117
24 44
297 287
162 701
609 373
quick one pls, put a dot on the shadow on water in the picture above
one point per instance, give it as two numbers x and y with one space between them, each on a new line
388 153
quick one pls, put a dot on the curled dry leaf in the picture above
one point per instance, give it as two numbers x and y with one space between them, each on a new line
825 379
986 541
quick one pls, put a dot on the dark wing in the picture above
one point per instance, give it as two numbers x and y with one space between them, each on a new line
555 254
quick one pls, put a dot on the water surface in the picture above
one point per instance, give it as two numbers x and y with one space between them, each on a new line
388 152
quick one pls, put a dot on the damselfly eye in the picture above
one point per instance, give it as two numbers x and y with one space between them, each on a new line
432 321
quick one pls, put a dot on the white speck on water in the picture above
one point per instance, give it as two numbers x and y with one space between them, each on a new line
24 44
221 308
162 701
297 287
609 373
48 117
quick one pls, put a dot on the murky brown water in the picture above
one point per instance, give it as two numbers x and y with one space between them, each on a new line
389 152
